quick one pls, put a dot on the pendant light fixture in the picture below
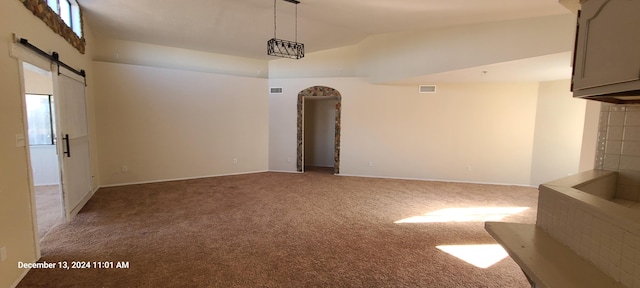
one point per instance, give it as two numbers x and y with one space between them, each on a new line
284 48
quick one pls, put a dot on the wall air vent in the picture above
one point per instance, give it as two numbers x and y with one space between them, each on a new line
427 89
275 90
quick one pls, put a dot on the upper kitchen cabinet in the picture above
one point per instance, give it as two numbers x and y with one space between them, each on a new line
607 52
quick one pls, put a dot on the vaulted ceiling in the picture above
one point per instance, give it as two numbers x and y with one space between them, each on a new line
242 27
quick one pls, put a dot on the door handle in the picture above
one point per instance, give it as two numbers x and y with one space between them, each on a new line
66 141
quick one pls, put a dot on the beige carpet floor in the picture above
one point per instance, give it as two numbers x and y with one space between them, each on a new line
282 230
48 207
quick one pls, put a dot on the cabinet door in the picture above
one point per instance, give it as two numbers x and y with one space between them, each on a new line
608 44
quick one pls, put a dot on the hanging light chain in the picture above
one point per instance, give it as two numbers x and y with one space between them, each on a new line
284 48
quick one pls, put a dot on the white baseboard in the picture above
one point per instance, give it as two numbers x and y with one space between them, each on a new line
438 180
283 171
80 205
298 172
15 284
180 179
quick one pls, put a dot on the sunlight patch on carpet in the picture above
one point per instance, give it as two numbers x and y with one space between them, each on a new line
474 214
481 255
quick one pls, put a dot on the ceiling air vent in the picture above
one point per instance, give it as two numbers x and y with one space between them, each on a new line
427 89
275 90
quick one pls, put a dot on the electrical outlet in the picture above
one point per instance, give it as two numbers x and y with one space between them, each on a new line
235 160
3 254
370 163
125 169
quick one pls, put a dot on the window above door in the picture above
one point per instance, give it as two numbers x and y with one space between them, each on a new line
64 17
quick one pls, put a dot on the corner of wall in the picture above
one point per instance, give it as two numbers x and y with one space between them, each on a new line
590 136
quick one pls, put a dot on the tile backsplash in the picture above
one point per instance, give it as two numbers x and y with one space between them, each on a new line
618 147
596 229
612 246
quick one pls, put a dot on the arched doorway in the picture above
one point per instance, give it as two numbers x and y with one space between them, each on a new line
319 91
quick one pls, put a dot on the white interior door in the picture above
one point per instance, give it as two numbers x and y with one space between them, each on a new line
73 140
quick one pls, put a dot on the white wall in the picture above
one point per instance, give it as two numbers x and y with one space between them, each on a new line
590 136
484 132
170 124
319 131
558 134
465 132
